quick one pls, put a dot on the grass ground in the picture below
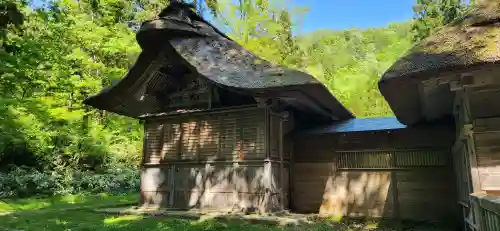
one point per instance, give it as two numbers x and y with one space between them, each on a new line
76 213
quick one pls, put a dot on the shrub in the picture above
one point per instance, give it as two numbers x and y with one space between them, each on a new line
23 182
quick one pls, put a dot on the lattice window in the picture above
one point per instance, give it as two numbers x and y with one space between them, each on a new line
399 159
364 159
420 158
231 136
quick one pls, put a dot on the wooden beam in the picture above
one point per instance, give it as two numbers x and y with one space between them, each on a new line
474 170
474 80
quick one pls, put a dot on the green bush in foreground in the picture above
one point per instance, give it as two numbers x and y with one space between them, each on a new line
23 182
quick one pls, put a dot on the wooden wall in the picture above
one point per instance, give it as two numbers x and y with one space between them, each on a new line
225 160
219 186
403 174
487 141
476 152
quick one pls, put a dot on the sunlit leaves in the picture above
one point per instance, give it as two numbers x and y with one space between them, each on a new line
432 14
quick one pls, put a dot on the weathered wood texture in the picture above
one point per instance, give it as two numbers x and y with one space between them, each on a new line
476 153
479 131
216 160
220 186
230 135
487 141
390 174
319 148
487 212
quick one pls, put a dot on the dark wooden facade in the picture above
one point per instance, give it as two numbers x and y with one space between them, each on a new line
402 174
225 159
477 148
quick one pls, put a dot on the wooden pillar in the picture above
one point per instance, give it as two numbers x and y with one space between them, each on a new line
282 176
171 180
267 175
142 197
291 177
395 193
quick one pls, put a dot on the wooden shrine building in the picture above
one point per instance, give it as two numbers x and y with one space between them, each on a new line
227 130
456 73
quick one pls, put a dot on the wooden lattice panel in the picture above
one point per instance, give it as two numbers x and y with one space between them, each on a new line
171 140
390 159
364 159
231 136
209 136
152 152
420 158
190 139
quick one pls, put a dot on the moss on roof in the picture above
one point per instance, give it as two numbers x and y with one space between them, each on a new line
473 39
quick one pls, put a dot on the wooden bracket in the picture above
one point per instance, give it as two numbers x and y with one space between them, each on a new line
473 81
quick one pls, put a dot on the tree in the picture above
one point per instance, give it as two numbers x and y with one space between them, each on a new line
10 16
432 14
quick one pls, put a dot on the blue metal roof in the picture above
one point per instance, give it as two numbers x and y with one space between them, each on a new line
359 125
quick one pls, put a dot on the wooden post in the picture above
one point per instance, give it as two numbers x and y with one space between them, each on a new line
142 198
267 175
291 177
282 176
395 193
219 131
210 92
179 142
474 171
144 144
171 179
471 147
198 135
162 141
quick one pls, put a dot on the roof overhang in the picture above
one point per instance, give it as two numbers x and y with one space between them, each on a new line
184 41
419 87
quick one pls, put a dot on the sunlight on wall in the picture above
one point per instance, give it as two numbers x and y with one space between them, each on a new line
356 193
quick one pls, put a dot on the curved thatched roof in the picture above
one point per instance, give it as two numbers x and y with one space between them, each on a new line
189 43
471 41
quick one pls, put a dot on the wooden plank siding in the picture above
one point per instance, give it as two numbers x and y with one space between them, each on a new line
480 133
220 186
403 174
476 155
216 161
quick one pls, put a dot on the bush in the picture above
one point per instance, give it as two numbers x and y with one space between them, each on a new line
23 182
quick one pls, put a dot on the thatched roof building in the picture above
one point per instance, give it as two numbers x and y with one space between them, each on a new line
417 85
180 45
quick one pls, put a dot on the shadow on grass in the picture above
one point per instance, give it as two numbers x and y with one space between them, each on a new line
66 202
88 220
76 212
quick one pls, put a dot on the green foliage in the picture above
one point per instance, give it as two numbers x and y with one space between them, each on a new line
22 182
432 14
265 28
55 56
50 66
350 63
